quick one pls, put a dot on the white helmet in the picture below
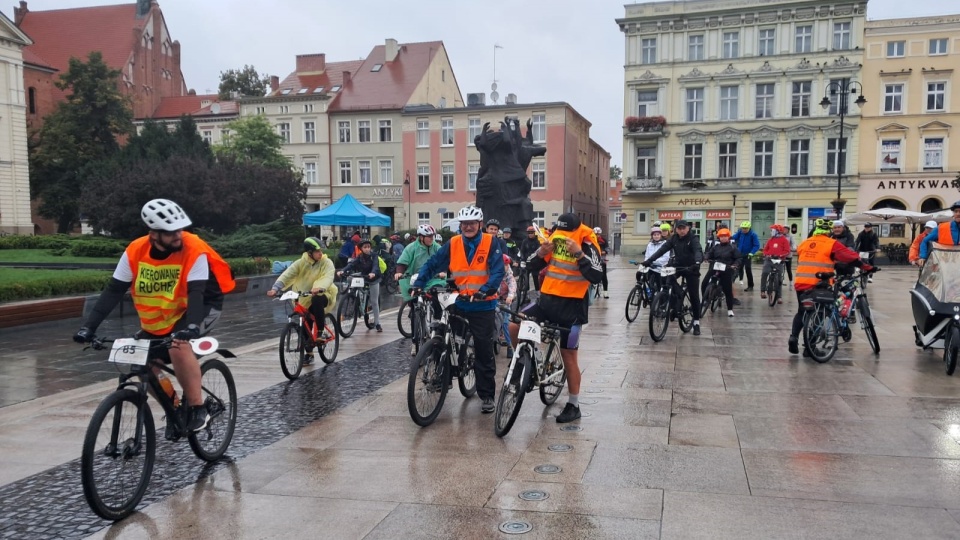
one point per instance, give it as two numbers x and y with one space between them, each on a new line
597 230
426 230
470 213
438 239
164 215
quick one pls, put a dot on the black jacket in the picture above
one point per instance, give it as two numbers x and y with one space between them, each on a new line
528 247
845 238
867 241
727 253
686 250
365 264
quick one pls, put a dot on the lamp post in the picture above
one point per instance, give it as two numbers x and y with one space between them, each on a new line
842 89
406 187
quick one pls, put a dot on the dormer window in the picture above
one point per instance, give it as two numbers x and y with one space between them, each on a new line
303 91
335 88
376 68
318 90
285 91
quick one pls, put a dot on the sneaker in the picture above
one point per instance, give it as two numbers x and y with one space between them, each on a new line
729 313
736 302
852 319
806 353
741 282
793 345
308 359
605 295
379 328
509 353
763 295
869 280
570 413
696 329
197 418
748 289
779 300
486 407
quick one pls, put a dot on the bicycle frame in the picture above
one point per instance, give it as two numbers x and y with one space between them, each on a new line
547 334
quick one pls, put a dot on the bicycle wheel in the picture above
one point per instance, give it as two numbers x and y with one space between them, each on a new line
427 385
866 322
391 285
550 391
347 315
512 392
220 398
467 379
329 339
633 304
116 462
820 334
292 351
951 349
685 317
707 301
420 331
772 288
659 315
405 319
368 314
718 299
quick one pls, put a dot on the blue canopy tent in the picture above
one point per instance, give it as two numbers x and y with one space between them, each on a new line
346 211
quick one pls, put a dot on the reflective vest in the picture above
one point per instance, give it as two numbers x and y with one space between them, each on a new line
470 276
159 288
563 277
813 255
945 234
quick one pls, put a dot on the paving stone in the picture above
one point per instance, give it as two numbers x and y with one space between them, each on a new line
703 430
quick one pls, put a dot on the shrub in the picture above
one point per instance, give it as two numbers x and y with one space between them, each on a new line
243 244
98 248
60 285
253 266
16 241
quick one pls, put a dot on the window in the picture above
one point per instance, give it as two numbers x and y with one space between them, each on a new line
376 68
835 97
224 134
895 49
695 105
423 178
284 130
447 216
386 171
446 177
731 44
728 160
539 218
345 172
763 158
423 218
335 88
729 102
767 39
343 128
893 98
540 128
890 155
841 36
933 153
473 170
283 109
386 130
837 156
648 51
446 132
938 46
261 110
539 175
310 173
423 133
364 172
363 130
646 103
308 108
695 48
693 161
473 129
208 137
309 132
765 100
800 102
646 162
804 39
800 157
935 95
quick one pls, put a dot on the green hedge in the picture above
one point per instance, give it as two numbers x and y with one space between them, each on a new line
98 248
15 241
57 286
252 266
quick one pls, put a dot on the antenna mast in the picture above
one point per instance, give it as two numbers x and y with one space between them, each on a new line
494 96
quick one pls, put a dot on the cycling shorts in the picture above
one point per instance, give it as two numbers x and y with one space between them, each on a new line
568 339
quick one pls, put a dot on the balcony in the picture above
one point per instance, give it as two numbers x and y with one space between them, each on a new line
644 127
651 132
643 184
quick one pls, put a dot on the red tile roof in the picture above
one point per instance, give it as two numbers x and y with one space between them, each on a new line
31 57
177 106
332 76
392 86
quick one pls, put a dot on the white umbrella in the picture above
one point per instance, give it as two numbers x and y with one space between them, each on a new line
453 225
886 215
941 216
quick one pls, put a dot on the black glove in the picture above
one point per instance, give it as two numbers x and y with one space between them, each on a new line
648 264
190 332
83 335
415 292
479 295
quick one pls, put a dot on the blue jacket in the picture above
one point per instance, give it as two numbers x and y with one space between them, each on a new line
441 261
934 234
748 243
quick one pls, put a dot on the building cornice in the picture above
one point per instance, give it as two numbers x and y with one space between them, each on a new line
912 23
682 16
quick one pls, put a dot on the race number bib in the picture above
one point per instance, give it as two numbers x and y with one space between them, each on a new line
668 271
720 267
529 330
356 282
130 351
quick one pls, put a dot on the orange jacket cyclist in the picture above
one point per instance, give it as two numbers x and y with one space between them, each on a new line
947 233
177 283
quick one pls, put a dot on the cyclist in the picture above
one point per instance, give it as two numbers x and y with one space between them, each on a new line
507 292
177 282
688 254
777 246
727 253
571 258
748 243
476 265
368 264
656 241
396 249
313 272
603 258
842 233
666 229
528 247
513 248
868 240
493 229
817 254
914 256
350 249
947 233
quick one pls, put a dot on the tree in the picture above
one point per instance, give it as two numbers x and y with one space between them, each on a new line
253 139
246 82
615 172
83 130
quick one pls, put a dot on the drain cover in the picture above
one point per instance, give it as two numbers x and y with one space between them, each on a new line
515 527
560 447
534 495
571 428
547 469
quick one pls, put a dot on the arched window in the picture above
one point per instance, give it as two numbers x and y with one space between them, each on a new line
32 100
889 203
931 205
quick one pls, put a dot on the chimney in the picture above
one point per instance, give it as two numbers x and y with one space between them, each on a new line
311 63
20 12
274 83
346 77
391 50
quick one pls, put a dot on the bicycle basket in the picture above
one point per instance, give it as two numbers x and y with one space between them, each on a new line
817 296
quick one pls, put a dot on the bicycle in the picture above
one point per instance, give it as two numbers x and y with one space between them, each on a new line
828 309
301 329
390 285
713 295
523 287
774 285
865 256
528 369
672 301
355 300
640 296
121 436
445 355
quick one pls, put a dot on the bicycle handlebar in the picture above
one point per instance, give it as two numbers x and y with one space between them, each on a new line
545 324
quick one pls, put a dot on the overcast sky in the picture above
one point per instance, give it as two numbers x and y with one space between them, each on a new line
553 50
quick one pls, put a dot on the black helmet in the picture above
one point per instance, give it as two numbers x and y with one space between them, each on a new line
568 222
493 221
312 244
680 223
507 230
955 205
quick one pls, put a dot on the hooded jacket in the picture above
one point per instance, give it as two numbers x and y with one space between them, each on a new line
747 242
305 274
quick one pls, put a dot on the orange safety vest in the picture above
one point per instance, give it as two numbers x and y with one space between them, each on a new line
563 277
470 276
944 234
159 288
813 255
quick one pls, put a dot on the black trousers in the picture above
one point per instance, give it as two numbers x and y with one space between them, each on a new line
317 306
603 282
788 263
745 268
483 326
693 287
798 318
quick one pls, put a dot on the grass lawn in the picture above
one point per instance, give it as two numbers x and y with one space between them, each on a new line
27 275
44 256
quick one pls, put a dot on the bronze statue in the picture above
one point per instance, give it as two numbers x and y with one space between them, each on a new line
503 189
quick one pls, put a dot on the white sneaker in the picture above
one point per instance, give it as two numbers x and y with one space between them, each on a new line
869 280
729 313
605 295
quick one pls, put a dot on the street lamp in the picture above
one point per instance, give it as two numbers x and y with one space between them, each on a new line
842 89
406 187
